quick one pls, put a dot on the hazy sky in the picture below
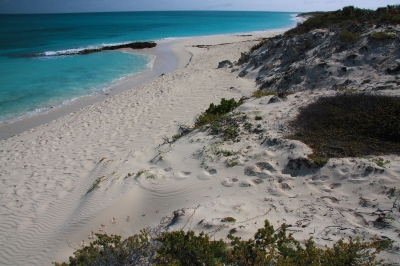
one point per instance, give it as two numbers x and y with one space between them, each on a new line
63 6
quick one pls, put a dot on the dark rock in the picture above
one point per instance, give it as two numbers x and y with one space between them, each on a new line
285 186
275 99
244 57
265 166
243 73
224 64
132 45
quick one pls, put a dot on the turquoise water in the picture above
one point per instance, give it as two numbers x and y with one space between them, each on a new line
33 78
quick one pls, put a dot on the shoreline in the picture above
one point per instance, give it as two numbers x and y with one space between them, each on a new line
47 171
167 50
162 53
111 167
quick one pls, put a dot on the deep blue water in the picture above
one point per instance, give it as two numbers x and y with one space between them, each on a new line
33 78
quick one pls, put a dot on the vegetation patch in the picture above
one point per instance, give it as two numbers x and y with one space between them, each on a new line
347 17
232 162
228 220
262 93
348 37
259 45
146 173
269 247
382 35
214 112
349 125
95 185
228 126
379 161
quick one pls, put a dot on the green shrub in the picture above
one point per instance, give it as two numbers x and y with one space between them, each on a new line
215 112
259 45
186 248
262 93
269 247
112 250
95 185
382 35
348 37
350 125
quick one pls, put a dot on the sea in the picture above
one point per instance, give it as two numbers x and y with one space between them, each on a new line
40 67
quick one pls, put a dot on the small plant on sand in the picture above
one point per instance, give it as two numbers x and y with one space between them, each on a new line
231 162
348 37
262 93
258 45
350 125
214 112
379 161
229 220
146 173
382 35
95 185
228 126
391 192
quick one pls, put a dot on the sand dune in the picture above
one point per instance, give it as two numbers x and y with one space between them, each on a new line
46 209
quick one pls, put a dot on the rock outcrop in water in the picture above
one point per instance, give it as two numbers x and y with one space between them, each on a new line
132 45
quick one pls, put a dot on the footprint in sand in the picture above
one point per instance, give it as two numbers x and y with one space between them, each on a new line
212 171
228 183
257 181
184 174
260 169
244 183
320 177
335 185
207 175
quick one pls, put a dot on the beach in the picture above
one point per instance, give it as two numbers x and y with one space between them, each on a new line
112 167
47 170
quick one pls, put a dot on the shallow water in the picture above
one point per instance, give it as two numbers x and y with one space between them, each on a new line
33 76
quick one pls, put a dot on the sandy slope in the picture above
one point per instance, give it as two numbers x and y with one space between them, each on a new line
46 172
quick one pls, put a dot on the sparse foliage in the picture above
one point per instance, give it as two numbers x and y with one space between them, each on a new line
215 112
350 125
269 247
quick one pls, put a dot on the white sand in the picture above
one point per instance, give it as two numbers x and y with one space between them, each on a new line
46 172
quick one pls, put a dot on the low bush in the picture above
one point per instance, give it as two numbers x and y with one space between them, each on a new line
382 35
350 125
259 45
269 247
348 37
262 93
215 112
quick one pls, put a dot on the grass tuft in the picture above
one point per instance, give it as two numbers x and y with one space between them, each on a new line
382 35
259 45
262 93
95 185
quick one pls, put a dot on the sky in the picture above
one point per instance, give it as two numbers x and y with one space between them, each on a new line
67 6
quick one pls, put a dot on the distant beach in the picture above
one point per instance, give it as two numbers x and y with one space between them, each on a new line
48 73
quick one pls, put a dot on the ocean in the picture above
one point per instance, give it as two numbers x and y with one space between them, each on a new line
35 77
